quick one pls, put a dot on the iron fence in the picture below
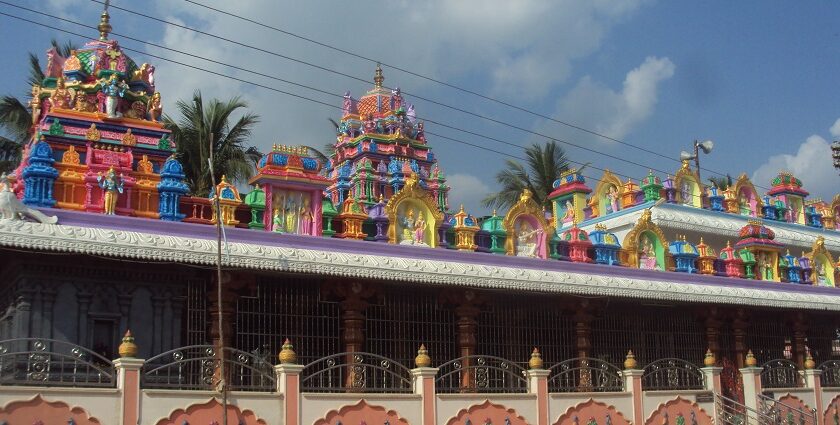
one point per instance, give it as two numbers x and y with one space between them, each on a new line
585 375
784 413
197 367
481 374
672 374
830 373
48 362
356 372
780 373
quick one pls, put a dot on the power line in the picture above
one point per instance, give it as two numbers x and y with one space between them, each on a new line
300 96
484 136
435 102
425 77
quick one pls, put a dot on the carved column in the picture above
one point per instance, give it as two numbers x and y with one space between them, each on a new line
223 310
157 323
124 302
353 304
467 327
47 303
83 299
24 307
800 329
740 324
713 323
583 343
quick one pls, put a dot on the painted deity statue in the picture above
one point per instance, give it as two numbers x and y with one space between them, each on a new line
765 266
569 216
408 228
526 240
291 215
113 89
396 99
277 222
744 205
647 258
61 98
306 218
686 194
819 268
155 107
419 229
112 187
612 197
347 105
35 104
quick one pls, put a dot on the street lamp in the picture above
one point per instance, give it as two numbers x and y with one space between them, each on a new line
835 153
706 147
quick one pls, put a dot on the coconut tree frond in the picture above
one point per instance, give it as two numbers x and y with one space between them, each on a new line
543 165
232 157
15 118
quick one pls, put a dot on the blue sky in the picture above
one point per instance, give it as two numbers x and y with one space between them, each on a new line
758 78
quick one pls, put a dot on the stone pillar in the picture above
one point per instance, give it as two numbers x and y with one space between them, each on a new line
538 385
83 299
128 381
739 331
467 327
24 307
423 382
583 331
711 380
800 328
633 385
47 303
752 382
288 383
713 322
813 381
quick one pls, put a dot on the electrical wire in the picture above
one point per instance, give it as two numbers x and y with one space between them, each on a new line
417 96
296 95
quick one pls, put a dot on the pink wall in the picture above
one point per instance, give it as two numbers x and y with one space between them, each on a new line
361 413
37 410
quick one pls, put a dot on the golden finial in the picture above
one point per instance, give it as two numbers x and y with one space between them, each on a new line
128 348
685 164
378 79
224 179
526 194
494 212
728 244
701 241
709 360
750 361
630 361
287 353
601 227
93 134
381 198
462 209
809 360
104 23
536 361
423 359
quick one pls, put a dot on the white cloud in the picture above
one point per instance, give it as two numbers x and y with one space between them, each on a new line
467 190
835 129
616 113
812 164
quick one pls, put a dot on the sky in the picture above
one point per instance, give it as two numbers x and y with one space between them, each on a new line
758 78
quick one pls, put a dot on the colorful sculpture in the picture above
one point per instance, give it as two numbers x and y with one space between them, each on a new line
645 244
526 229
569 198
685 255
791 197
687 183
758 240
606 246
465 230
112 186
413 216
822 264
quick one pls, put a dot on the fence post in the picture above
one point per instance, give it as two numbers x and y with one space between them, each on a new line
751 376
128 380
633 385
813 380
538 384
711 377
423 382
288 383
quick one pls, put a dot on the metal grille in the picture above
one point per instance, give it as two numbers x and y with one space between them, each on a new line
830 373
766 336
356 372
404 319
780 373
197 368
823 331
197 315
285 308
47 362
511 328
672 374
652 332
481 374
585 375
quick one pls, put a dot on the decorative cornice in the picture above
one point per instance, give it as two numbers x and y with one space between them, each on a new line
190 250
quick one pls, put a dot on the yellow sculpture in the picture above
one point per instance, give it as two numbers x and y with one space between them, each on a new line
413 209
526 228
641 251
112 187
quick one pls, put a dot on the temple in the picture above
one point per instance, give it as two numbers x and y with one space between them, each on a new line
353 291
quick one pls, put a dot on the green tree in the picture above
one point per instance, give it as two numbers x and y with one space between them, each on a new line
544 164
191 133
722 183
15 116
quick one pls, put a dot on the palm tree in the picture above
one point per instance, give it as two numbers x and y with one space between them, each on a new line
231 157
721 183
544 164
15 117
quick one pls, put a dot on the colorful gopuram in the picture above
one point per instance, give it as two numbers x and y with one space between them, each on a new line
350 291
